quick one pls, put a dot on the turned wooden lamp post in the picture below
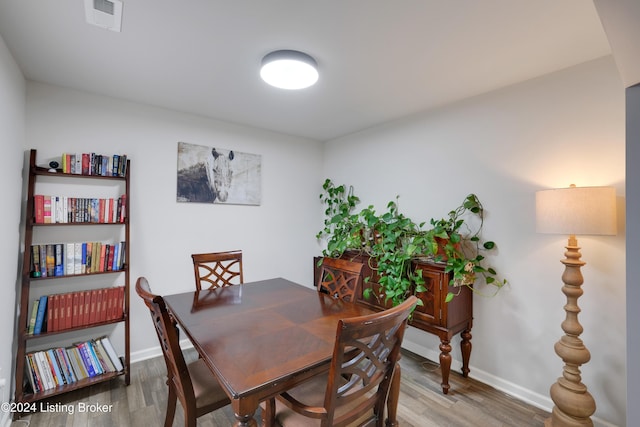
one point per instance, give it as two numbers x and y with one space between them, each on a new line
572 211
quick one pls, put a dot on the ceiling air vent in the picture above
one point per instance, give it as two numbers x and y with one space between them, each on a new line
104 13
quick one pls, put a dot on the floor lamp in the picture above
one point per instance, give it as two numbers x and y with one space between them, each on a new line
572 211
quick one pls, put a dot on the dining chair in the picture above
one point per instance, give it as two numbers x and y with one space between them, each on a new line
355 391
339 278
218 269
194 384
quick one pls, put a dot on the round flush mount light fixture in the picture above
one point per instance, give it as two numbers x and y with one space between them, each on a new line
289 69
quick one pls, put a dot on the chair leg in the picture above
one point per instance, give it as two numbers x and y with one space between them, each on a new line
269 414
171 407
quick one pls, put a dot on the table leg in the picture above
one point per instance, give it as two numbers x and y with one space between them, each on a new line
243 410
465 346
445 364
392 400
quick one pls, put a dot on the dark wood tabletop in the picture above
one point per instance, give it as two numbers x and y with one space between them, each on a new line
261 338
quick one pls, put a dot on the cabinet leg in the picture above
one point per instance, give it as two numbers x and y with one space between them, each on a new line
445 364
465 346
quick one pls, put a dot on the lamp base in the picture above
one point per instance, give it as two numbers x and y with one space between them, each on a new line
574 405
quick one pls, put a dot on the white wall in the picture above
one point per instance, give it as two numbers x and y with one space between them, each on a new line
12 123
564 128
277 237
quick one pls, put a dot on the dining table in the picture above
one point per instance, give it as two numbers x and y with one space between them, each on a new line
264 337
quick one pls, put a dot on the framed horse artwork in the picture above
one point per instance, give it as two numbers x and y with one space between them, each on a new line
217 175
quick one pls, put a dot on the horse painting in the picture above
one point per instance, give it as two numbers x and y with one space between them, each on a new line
216 175
207 181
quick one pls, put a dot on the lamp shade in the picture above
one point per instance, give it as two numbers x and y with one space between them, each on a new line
289 69
576 211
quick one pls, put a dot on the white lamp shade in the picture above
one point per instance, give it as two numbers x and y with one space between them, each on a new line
576 211
289 69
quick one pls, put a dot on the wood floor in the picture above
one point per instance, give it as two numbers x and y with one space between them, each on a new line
422 404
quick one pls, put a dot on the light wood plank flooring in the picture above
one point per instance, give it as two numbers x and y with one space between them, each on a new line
422 404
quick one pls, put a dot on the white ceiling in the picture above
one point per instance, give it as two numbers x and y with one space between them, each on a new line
379 60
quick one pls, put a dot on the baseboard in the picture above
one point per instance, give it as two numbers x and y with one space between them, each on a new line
5 420
520 393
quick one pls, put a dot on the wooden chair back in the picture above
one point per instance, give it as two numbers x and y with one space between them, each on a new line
167 331
218 269
365 355
339 278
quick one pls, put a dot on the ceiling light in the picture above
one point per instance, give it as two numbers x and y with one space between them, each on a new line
289 69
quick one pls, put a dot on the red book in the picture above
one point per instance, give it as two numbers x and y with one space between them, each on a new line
103 252
110 211
111 250
69 307
103 310
87 307
111 303
51 310
123 208
101 210
99 303
85 163
76 312
38 207
93 298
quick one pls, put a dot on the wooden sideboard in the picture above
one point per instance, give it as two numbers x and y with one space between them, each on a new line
436 316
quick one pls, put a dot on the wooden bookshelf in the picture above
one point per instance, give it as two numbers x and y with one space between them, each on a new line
29 342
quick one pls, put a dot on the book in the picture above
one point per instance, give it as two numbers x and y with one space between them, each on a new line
38 205
32 373
86 359
93 300
59 210
93 358
86 306
51 260
55 368
45 371
76 363
59 260
101 355
77 258
42 309
32 319
84 259
106 343
43 261
65 364
35 261
52 313
68 317
69 267
47 210
76 311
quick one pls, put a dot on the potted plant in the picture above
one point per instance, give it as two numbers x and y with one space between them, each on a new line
459 245
393 241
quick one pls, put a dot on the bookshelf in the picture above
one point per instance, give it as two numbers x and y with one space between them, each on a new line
86 289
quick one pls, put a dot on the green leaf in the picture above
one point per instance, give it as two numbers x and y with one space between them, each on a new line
449 297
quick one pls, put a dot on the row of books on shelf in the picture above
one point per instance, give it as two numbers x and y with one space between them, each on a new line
56 367
66 259
94 164
63 209
57 312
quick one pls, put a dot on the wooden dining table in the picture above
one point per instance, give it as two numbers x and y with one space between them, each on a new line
263 338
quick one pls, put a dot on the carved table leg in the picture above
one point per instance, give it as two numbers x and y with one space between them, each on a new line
445 364
465 346
245 421
392 400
